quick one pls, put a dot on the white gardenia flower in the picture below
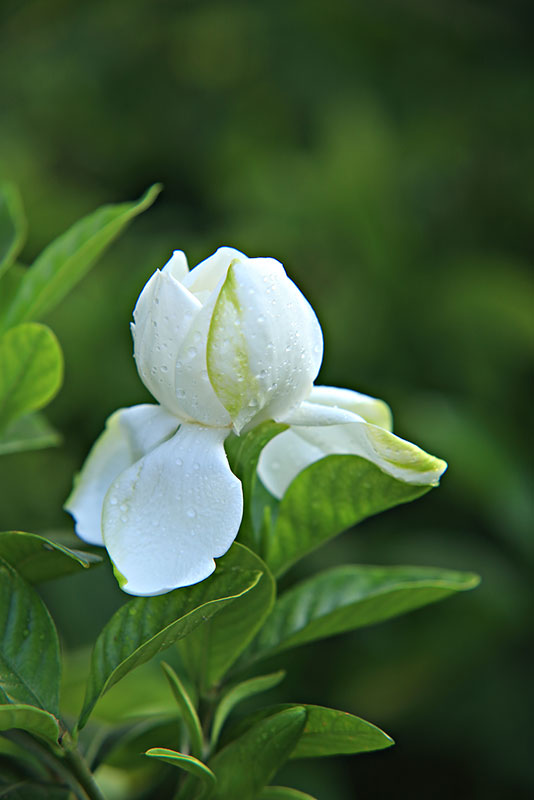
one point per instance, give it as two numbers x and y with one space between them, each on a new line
222 347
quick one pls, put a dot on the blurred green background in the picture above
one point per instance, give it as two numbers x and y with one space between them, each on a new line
383 152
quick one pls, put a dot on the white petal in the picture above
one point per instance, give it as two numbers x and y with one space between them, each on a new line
169 515
337 431
129 434
265 343
370 408
163 316
194 391
205 277
177 265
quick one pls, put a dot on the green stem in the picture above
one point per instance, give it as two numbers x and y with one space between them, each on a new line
81 771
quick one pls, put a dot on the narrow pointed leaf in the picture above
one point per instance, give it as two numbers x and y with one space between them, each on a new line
326 498
283 793
12 225
236 694
31 432
243 454
189 714
327 731
345 598
145 626
247 764
191 765
29 649
31 370
211 650
67 259
29 718
38 559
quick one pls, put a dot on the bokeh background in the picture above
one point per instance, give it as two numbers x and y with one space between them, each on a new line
382 151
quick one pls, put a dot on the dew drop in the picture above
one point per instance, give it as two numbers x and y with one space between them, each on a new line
261 319
196 466
113 501
123 507
178 462
124 518
180 394
179 365
191 352
164 368
191 513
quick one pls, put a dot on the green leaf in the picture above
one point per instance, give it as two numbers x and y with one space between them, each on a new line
344 598
327 732
34 720
32 432
67 259
30 790
283 793
189 714
38 559
30 668
243 454
189 764
9 286
211 650
31 370
146 625
326 498
240 692
247 764
12 225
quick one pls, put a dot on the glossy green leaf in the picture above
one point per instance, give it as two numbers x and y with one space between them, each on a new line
345 598
213 648
31 370
145 626
29 718
236 694
283 793
326 498
12 225
38 559
31 432
243 454
191 765
67 259
189 714
247 764
327 732
30 668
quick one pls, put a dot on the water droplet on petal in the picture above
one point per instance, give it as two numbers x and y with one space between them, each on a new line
124 518
261 319
191 352
180 394
164 368
178 462
191 513
113 501
123 507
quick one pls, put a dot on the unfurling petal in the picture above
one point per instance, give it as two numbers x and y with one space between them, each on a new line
163 316
130 433
373 410
169 515
265 345
318 431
